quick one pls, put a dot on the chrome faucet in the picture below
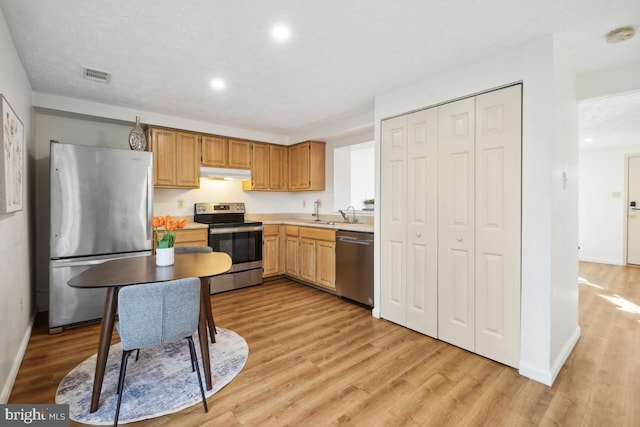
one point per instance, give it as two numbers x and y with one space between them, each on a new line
346 218
353 220
316 210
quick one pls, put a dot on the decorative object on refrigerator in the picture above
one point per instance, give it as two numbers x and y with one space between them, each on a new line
137 139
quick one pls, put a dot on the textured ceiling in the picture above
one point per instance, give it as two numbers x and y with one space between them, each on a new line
610 122
163 53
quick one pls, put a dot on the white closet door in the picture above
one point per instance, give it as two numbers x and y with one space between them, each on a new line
422 222
393 219
456 230
498 213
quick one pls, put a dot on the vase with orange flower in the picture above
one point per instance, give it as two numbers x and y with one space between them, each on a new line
164 240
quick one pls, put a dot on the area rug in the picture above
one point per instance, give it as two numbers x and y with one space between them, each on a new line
159 383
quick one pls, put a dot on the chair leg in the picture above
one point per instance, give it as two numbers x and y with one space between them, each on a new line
123 370
194 361
137 354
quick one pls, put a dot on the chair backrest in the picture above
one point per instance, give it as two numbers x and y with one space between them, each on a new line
192 249
157 313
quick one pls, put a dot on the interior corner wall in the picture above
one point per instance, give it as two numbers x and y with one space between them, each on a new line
17 305
564 226
533 65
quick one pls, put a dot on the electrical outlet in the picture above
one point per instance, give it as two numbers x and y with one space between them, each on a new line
180 203
304 203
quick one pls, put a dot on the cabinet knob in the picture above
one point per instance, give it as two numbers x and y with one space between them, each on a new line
418 234
459 239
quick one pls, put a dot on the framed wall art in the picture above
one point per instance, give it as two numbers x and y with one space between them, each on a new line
11 160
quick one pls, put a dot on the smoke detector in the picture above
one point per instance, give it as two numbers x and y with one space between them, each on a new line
620 34
96 75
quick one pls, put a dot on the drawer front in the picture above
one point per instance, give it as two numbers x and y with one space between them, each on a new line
270 230
318 234
292 230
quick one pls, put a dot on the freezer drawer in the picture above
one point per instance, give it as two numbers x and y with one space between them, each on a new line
69 306
354 266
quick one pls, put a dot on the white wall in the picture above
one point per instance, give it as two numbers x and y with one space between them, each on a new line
602 215
17 305
549 147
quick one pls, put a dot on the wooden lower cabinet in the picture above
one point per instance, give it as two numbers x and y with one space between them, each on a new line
292 242
318 256
308 254
190 237
272 256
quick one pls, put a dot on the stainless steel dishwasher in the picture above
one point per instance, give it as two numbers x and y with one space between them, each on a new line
354 266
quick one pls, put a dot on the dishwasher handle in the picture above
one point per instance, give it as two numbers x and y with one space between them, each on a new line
355 240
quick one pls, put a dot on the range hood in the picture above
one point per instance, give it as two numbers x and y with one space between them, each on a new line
225 174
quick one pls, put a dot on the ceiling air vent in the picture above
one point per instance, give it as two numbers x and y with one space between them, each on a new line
96 75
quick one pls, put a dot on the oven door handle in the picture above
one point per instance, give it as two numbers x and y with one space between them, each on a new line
242 229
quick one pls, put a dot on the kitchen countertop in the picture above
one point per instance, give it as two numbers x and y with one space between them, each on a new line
326 222
296 220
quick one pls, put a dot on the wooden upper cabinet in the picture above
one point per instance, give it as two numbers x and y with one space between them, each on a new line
162 142
239 154
307 166
259 166
278 167
188 160
215 151
176 158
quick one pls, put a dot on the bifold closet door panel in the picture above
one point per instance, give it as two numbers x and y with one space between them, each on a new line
456 223
498 224
422 222
393 219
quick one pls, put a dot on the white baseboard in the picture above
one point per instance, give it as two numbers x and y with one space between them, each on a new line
11 378
375 312
602 260
547 377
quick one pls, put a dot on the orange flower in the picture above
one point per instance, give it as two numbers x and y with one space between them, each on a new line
170 226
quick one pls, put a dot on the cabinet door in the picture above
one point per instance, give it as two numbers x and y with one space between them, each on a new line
271 250
292 261
278 167
456 223
187 160
270 256
308 260
299 156
163 145
326 263
260 166
239 154
215 151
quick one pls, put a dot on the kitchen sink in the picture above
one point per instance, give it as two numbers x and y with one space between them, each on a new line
323 222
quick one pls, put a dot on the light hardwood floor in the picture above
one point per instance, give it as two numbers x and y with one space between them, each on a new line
316 360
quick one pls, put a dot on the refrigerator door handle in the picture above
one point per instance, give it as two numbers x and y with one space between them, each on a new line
149 202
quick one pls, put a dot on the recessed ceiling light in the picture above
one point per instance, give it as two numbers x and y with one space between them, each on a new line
620 34
218 84
281 32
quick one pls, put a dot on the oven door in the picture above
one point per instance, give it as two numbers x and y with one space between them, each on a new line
243 244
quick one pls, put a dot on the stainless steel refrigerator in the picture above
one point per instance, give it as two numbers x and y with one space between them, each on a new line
101 207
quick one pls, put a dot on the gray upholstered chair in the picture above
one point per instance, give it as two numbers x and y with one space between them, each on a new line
211 324
158 313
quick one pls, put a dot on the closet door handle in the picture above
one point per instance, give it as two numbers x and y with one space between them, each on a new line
418 234
459 239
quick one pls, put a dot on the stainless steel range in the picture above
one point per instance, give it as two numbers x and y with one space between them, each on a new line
242 240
